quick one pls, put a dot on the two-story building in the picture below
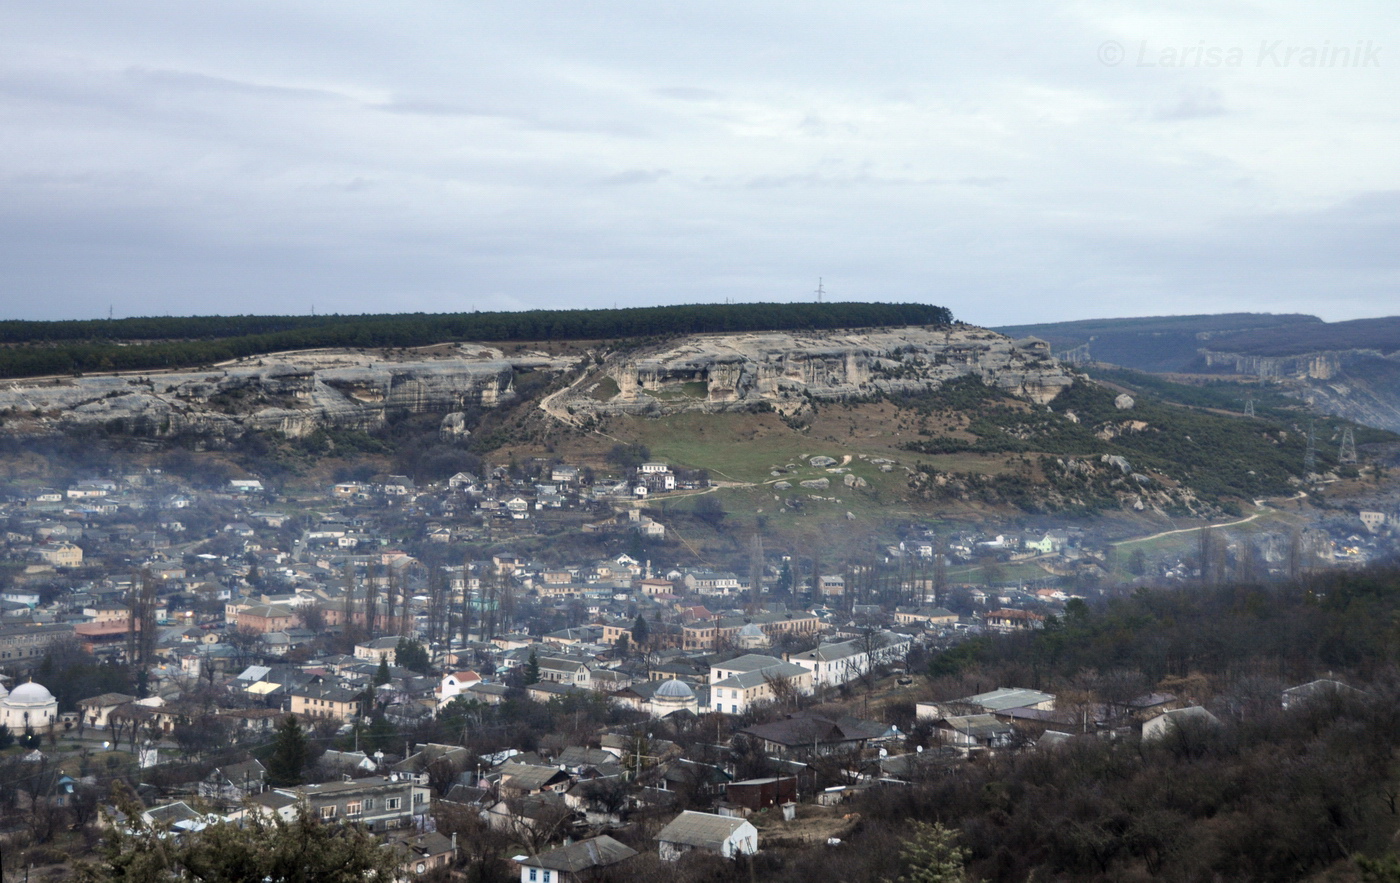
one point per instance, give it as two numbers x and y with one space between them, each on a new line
327 701
380 803
752 679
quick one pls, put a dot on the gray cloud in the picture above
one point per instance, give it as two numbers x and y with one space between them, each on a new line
261 157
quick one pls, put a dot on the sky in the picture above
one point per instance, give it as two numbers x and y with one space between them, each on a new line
1016 162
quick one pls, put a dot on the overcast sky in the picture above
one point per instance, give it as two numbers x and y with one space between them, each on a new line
1016 162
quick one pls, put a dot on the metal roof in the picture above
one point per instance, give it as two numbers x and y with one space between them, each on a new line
700 829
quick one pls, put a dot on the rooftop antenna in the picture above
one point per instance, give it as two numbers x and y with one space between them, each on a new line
820 290
1310 458
1249 407
1348 452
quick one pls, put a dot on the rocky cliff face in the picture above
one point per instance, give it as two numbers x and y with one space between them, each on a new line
295 394
298 393
787 370
1361 385
1315 366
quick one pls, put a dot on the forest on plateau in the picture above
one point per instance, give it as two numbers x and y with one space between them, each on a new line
30 349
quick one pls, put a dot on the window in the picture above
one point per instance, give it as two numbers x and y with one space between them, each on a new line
392 803
352 808
534 875
328 812
369 804
546 876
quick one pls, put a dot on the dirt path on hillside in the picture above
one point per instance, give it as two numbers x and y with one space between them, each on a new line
1167 533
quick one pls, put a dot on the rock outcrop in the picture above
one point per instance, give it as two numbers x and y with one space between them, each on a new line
299 393
294 394
787 370
1361 384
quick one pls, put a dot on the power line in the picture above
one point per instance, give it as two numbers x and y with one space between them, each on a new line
1347 454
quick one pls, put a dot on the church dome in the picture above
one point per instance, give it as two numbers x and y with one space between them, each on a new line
676 690
29 694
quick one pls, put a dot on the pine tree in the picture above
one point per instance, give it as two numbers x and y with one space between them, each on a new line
382 676
256 848
290 753
532 670
932 855
411 655
641 633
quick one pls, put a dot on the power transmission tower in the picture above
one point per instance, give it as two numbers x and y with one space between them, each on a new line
1348 452
1249 407
820 291
1310 458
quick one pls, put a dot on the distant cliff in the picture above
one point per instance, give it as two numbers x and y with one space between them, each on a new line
298 393
294 394
1358 384
786 370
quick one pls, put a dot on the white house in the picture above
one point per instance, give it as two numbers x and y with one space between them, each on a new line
1162 725
750 679
835 664
721 835
454 684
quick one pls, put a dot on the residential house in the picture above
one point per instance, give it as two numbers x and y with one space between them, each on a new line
706 832
811 732
264 618
94 711
575 863
422 853
748 680
925 616
454 684
521 779
327 700
377 649
1167 722
380 803
838 663
975 731
1012 620
993 702
233 782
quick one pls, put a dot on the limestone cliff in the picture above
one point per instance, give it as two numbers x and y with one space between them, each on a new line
295 393
298 393
1361 384
787 370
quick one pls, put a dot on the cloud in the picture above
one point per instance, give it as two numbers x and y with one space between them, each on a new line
257 157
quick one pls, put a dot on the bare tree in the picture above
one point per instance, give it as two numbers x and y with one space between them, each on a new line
312 617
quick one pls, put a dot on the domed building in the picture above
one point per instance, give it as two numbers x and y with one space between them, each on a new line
751 637
29 706
673 696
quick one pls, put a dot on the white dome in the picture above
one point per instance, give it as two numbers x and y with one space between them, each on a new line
30 694
674 689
